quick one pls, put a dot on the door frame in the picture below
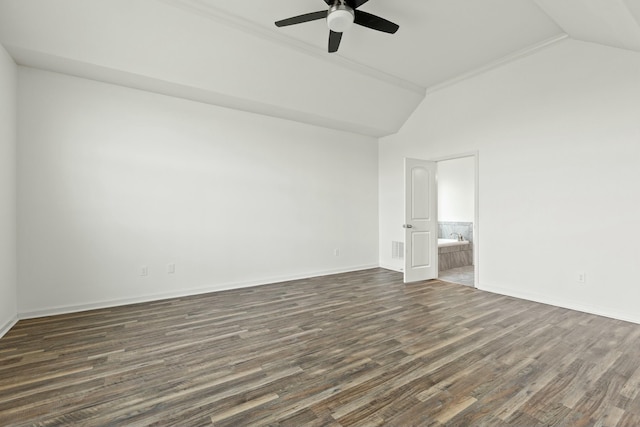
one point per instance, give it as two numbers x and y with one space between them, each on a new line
476 207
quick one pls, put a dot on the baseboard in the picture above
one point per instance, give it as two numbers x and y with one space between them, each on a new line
7 326
53 311
391 267
543 299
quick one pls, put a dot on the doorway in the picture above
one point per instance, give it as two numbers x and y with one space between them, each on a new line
457 191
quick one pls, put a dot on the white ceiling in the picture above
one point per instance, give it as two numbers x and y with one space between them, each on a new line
230 53
437 39
610 22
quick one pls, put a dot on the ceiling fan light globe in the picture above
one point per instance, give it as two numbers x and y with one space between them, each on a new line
340 20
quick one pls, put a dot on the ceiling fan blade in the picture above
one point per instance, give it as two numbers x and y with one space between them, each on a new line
355 3
313 16
375 22
334 41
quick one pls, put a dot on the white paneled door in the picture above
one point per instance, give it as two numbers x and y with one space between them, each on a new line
421 222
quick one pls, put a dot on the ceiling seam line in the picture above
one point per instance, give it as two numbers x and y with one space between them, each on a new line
499 62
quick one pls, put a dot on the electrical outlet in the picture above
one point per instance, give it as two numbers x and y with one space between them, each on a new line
336 252
144 270
171 268
581 277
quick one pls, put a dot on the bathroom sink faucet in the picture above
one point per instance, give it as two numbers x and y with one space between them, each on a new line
458 236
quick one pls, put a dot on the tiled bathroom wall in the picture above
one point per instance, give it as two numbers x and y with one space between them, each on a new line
445 229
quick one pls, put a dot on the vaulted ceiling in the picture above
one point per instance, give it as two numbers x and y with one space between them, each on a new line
230 53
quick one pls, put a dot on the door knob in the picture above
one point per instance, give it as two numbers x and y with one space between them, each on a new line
407 226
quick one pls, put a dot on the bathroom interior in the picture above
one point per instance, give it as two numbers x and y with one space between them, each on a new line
456 215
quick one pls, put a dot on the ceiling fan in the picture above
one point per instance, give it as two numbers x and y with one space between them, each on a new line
342 14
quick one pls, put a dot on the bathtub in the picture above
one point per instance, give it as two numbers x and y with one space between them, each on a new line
453 253
443 243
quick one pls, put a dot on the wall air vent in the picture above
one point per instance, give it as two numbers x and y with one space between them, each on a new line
397 250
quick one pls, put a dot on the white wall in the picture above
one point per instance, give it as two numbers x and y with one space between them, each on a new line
8 139
558 137
456 187
112 179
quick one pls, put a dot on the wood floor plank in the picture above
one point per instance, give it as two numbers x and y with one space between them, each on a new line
353 349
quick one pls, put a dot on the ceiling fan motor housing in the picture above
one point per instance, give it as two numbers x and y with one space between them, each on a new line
340 17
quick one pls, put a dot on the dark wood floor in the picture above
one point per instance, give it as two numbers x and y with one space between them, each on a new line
344 350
